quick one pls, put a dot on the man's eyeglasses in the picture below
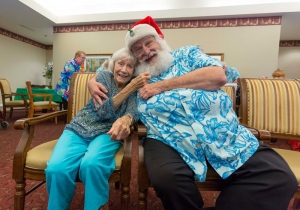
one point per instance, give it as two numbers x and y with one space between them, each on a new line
141 50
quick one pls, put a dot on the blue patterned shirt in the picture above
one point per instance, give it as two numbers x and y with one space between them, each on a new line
62 86
199 124
232 74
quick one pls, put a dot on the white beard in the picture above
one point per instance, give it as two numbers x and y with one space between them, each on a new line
162 62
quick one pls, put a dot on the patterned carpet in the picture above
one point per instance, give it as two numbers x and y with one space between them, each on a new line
38 199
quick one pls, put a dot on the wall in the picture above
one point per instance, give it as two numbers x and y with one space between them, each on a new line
289 61
251 49
49 56
21 62
66 44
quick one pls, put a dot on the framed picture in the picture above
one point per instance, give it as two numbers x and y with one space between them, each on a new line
94 61
219 56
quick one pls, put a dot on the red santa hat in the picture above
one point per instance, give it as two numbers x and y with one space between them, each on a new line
141 29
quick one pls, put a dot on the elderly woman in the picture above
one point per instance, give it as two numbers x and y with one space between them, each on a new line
89 143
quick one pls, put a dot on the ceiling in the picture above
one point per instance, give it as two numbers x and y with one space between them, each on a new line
24 17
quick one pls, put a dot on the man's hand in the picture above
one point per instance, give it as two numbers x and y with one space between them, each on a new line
97 91
150 90
120 129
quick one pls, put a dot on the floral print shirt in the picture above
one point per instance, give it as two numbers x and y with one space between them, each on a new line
62 86
232 74
92 121
199 124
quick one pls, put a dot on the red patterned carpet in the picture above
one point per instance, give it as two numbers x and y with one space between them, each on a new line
38 200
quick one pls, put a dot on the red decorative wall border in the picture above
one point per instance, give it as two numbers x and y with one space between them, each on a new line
49 47
289 43
24 39
212 23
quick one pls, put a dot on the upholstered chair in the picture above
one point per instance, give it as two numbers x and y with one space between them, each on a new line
274 105
30 163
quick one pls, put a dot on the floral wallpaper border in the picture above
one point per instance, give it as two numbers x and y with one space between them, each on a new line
289 43
24 39
210 23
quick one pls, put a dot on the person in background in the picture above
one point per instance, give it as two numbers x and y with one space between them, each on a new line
191 125
88 144
278 74
232 73
104 66
73 65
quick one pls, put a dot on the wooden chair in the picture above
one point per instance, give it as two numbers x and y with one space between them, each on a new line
213 181
274 105
29 164
46 104
40 86
10 103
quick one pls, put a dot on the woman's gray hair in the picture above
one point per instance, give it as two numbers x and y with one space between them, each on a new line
122 53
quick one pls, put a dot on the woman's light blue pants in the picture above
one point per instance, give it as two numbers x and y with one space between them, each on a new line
92 160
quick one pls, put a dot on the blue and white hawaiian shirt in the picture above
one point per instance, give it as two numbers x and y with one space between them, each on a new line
198 124
232 74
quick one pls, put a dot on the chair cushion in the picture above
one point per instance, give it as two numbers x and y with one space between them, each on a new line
292 158
38 156
44 103
14 103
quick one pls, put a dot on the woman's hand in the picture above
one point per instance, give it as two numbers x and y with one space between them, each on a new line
97 90
120 129
140 80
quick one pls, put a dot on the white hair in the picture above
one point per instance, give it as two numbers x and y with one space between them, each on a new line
163 44
122 53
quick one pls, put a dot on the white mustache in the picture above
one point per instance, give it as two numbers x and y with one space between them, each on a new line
152 53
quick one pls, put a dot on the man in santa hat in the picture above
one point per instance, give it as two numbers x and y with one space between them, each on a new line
190 123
